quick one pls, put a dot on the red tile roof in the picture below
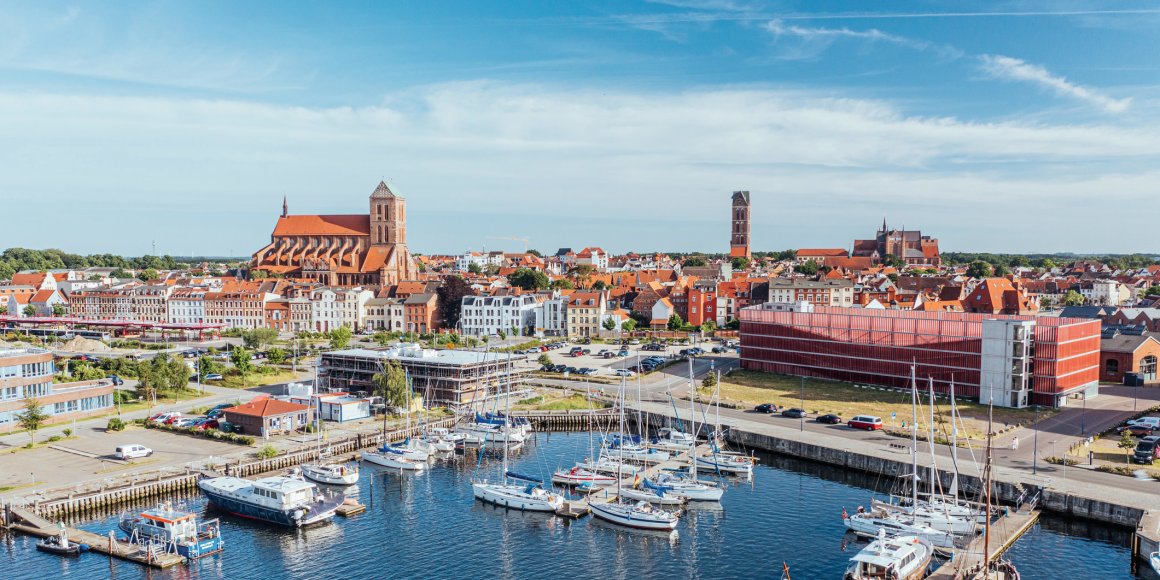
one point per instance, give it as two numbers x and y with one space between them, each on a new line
267 407
319 225
827 252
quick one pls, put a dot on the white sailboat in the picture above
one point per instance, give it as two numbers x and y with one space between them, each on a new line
641 514
324 471
397 456
717 460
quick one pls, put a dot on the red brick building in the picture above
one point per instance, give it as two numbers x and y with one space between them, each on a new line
1121 354
739 234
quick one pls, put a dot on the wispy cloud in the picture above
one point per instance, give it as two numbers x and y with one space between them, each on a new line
1014 69
820 37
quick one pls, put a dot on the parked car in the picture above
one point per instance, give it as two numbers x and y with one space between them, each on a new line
718 349
117 381
132 452
867 422
1152 422
622 352
186 421
766 408
793 413
829 419
213 377
623 372
165 418
1139 430
1147 450
570 370
206 423
559 368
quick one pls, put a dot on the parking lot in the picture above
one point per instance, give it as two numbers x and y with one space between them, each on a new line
606 366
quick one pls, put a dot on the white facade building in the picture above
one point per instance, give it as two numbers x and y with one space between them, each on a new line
384 314
187 306
482 259
488 315
333 308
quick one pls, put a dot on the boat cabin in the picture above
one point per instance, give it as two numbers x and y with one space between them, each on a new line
167 523
889 559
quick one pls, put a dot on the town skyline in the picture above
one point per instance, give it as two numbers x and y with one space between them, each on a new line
628 119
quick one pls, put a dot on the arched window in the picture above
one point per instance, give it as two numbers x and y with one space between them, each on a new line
1112 366
1148 367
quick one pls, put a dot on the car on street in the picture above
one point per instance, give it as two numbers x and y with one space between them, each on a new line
794 413
1147 450
132 451
867 422
623 372
622 352
117 381
829 419
213 377
766 408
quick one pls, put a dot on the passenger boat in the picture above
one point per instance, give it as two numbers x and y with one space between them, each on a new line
331 473
61 545
393 460
279 500
581 476
898 558
174 528
641 515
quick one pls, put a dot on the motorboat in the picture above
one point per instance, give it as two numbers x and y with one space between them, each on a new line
529 495
174 528
279 500
871 524
668 439
641 515
580 476
61 545
394 460
1154 559
331 473
685 488
897 558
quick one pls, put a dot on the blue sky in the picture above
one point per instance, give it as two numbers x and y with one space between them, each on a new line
1022 126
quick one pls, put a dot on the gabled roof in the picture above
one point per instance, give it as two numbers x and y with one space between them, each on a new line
266 407
323 225
382 191
824 252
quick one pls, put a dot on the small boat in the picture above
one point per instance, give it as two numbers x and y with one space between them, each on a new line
279 500
725 462
686 488
641 515
437 443
580 476
173 527
61 545
413 449
609 465
331 473
633 452
899 558
673 440
653 496
872 524
528 496
393 460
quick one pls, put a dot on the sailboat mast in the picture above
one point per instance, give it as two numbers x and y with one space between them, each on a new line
930 436
914 436
692 423
954 491
620 463
987 522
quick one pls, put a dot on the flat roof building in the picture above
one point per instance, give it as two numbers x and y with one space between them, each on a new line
1018 360
28 373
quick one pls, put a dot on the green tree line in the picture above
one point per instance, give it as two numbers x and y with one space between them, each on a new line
14 260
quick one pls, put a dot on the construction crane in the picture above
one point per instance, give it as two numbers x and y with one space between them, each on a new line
514 239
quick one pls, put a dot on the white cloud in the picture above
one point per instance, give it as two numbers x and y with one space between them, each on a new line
1008 68
779 28
558 164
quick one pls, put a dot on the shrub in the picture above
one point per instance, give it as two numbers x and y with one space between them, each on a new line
1117 469
54 438
267 452
1061 460
205 433
67 433
115 424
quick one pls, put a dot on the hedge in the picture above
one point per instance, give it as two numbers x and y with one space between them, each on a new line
214 434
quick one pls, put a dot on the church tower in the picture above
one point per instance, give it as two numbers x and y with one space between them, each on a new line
739 239
388 217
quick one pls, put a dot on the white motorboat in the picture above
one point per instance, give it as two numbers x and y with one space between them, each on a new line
870 525
640 515
394 460
529 496
581 476
686 488
331 473
898 558
280 500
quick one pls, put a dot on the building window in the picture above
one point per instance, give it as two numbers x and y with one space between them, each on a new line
1112 366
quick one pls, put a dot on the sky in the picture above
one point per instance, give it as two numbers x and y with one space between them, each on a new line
1004 126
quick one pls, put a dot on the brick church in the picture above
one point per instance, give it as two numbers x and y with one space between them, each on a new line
343 250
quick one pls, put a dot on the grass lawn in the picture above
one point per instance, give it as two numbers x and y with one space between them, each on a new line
747 388
553 402
255 380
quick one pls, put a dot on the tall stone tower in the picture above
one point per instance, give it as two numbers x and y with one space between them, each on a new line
739 240
388 217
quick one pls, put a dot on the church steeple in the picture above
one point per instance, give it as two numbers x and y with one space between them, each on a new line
883 224
388 217
285 207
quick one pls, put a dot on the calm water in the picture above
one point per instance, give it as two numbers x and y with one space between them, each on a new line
428 526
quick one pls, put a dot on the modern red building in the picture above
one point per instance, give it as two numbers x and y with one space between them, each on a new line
1016 360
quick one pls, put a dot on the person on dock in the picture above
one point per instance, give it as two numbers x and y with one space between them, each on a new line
1014 443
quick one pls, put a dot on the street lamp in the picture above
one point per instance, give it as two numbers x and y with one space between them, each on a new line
1083 417
1035 445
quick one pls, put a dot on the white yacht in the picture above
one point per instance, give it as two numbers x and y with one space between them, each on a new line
686 488
331 473
640 515
393 460
528 496
280 500
898 558
870 525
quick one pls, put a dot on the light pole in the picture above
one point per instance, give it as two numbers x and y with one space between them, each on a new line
1083 418
1035 445
802 397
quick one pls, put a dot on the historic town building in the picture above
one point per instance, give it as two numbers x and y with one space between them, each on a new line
739 239
343 250
910 246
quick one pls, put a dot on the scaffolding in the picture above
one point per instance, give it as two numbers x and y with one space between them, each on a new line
447 380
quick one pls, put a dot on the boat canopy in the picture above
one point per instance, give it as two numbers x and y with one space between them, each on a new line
527 478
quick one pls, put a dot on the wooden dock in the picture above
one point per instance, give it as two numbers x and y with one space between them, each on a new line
350 509
25 521
1004 532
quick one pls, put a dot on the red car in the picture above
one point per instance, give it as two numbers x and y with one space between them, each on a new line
867 422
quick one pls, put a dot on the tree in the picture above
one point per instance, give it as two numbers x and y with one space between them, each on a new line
1126 443
599 285
562 284
1046 303
979 269
3 309
809 268
32 418
675 322
474 268
502 335
628 325
1002 270
739 263
528 279
276 356
148 274
391 385
340 337
1073 298
119 273
709 326
609 324
259 337
450 299
709 381
733 324
1153 290
1046 264
694 261
242 362
893 261
544 360
59 310
29 310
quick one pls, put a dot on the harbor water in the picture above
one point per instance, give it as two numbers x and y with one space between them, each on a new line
427 525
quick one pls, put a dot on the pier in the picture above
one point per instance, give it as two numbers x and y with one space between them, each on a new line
1004 532
25 521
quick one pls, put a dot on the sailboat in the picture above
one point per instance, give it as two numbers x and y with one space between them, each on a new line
393 456
687 488
324 471
999 568
718 460
528 493
578 475
640 514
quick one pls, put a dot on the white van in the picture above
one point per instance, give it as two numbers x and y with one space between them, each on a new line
132 452
1152 422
